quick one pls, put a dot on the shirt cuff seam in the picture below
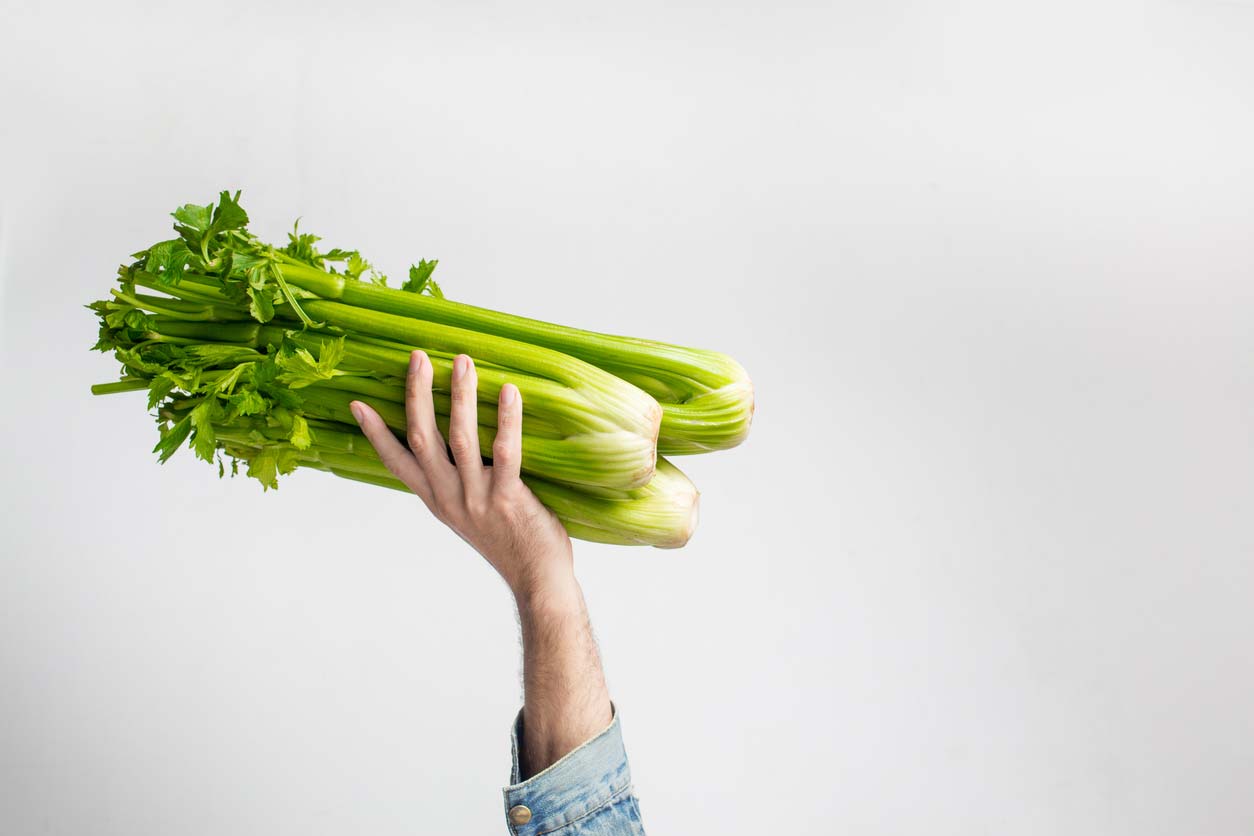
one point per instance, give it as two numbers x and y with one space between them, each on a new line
614 798
587 744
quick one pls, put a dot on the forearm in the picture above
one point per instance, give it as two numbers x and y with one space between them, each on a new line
565 703
565 700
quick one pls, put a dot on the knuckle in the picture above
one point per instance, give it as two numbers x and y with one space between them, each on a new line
460 444
445 510
417 443
505 504
501 450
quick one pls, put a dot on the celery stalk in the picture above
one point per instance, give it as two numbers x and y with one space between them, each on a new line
253 353
661 513
706 397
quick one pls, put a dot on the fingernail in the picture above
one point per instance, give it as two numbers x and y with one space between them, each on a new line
460 362
355 408
507 394
415 360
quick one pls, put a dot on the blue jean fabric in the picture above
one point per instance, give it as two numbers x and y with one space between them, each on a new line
586 793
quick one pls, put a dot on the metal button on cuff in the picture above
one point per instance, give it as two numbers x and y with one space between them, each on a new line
578 792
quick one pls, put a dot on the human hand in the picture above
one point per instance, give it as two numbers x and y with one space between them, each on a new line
487 506
565 698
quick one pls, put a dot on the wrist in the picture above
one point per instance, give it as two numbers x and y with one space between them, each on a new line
554 591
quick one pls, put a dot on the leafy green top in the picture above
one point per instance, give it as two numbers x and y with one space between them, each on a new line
208 368
214 242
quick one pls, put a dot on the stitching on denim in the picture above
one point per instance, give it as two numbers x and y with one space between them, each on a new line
585 745
616 797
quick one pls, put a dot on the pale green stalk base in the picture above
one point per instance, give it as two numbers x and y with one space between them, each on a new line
661 513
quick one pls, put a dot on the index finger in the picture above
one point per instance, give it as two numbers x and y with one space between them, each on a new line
391 452
422 433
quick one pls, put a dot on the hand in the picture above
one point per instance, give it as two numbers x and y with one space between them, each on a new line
564 694
488 506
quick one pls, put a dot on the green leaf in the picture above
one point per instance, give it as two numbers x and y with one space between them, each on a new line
244 263
172 438
420 277
206 355
105 340
247 402
356 265
264 467
330 355
260 305
265 376
197 218
228 215
301 246
287 460
299 436
140 362
258 274
168 260
204 440
162 385
298 368
138 320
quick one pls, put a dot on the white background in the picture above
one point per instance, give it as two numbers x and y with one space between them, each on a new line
984 565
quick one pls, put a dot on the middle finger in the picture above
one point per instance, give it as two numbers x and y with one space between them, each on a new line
463 428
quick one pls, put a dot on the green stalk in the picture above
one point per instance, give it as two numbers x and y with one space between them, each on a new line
533 425
623 405
706 397
594 458
545 403
661 513
256 352
630 408
577 459
126 384
608 427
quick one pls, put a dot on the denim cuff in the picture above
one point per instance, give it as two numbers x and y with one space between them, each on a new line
582 782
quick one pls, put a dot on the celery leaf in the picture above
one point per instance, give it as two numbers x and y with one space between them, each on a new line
228 215
247 402
194 218
298 368
167 260
299 436
204 440
420 278
172 438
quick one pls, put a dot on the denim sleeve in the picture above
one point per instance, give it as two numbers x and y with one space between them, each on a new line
586 793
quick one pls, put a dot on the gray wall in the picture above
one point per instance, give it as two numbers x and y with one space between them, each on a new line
984 565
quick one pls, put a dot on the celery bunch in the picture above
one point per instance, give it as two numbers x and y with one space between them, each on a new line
253 353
